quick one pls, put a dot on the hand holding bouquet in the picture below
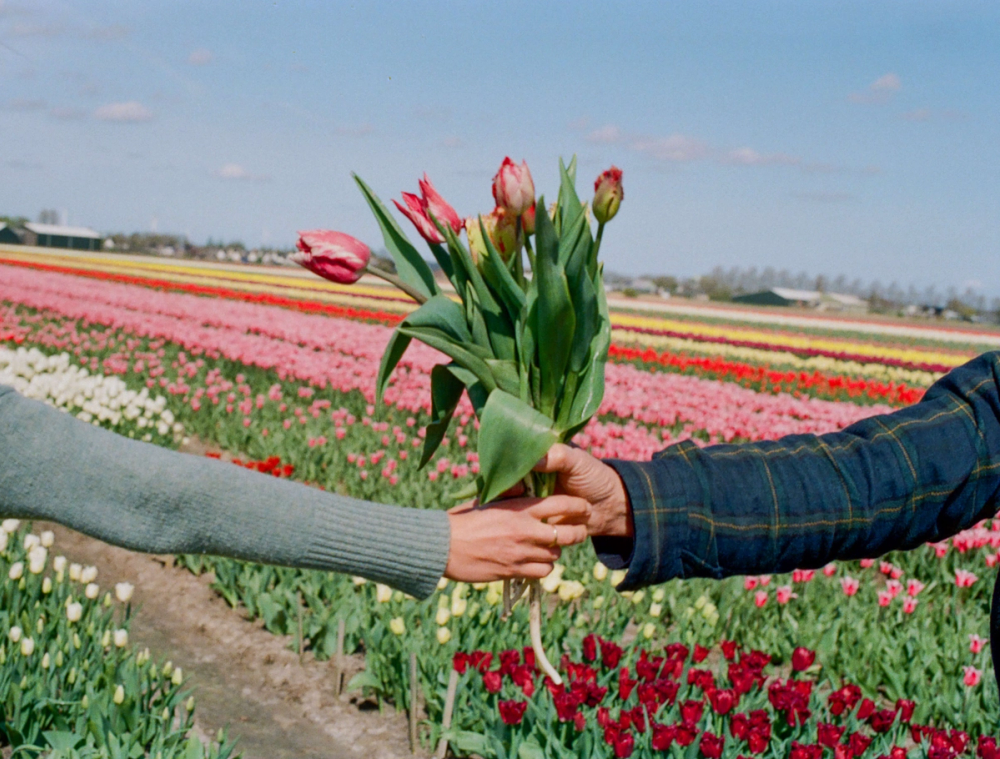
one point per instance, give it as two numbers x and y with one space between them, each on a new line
528 335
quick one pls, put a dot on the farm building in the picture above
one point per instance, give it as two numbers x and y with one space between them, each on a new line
784 296
9 235
57 236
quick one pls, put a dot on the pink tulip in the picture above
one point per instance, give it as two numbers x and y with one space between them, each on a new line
830 569
992 559
750 582
913 587
972 676
909 604
893 587
803 575
765 580
608 194
760 598
964 578
420 209
884 598
867 563
784 594
332 255
976 643
513 187
849 585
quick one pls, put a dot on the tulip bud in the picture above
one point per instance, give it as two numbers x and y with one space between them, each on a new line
121 638
59 658
189 706
502 230
106 639
443 615
3 540
178 677
27 646
443 635
85 702
528 220
74 572
10 525
383 593
442 583
119 697
397 625
513 187
15 634
648 630
332 255
88 575
16 570
47 585
608 194
46 661
74 611
123 591
92 591
48 538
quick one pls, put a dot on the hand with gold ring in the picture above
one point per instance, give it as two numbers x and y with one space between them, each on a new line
517 537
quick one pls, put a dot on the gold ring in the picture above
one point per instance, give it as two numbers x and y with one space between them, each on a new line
555 537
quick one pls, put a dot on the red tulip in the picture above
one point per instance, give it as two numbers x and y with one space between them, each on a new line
866 708
513 187
729 649
624 745
611 653
723 701
711 745
590 647
528 220
972 676
332 255
882 720
493 681
439 207
858 743
905 707
512 712
608 194
828 735
691 712
700 654
663 736
460 662
802 659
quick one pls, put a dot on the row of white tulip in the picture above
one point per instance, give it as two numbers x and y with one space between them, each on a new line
101 400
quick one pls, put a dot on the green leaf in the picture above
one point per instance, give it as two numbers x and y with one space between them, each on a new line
530 750
410 265
468 742
590 388
512 438
587 324
464 355
556 318
446 392
443 259
567 202
506 375
62 740
499 277
477 393
394 351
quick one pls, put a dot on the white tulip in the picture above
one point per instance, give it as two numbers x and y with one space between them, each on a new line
443 635
3 540
397 625
74 572
550 583
123 591
88 574
14 634
16 570
119 697
383 593
59 563
178 677
443 615
121 638
600 572
92 591
74 611
46 661
10 525
30 541
48 538
47 585
27 646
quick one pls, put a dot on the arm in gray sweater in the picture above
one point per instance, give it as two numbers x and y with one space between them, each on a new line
146 498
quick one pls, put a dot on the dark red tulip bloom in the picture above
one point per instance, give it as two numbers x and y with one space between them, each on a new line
625 684
509 660
723 701
637 717
711 745
701 678
512 712
624 745
663 736
959 740
739 726
525 679
567 707
858 743
897 752
603 716
579 722
481 660
700 654
905 708
691 712
677 651
460 661
648 668
866 708
757 660
729 649
685 735
805 751
986 748
590 647
611 654
529 657
802 659
667 689
758 741
829 735
882 720
493 682
844 700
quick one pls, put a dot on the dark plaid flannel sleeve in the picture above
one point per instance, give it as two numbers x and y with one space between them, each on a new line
887 482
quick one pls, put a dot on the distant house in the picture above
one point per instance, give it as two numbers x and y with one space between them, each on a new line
785 296
58 236
9 235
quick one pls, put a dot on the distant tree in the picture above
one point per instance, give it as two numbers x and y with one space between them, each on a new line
714 288
665 282
14 221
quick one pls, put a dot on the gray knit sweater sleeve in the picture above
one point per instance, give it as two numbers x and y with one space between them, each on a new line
146 498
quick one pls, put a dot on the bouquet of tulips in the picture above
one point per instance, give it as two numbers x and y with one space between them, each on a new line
526 338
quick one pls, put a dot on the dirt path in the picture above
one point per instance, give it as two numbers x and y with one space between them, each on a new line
243 676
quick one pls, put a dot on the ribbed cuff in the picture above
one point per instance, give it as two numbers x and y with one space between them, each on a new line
406 548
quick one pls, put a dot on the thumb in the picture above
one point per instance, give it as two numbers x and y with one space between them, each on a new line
558 459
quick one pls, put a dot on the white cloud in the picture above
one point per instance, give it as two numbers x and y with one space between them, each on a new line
128 111
750 157
879 91
235 172
675 147
200 57
606 134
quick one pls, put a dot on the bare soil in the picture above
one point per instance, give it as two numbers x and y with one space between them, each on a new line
243 676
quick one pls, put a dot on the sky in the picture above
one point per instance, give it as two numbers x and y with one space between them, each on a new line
855 138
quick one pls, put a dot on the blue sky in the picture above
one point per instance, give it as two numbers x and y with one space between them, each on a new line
839 138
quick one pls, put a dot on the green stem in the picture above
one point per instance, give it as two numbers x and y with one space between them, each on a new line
518 261
393 279
597 241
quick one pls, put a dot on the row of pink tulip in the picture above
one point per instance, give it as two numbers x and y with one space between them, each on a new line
660 407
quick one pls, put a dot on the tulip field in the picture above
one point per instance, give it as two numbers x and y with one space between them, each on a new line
884 657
